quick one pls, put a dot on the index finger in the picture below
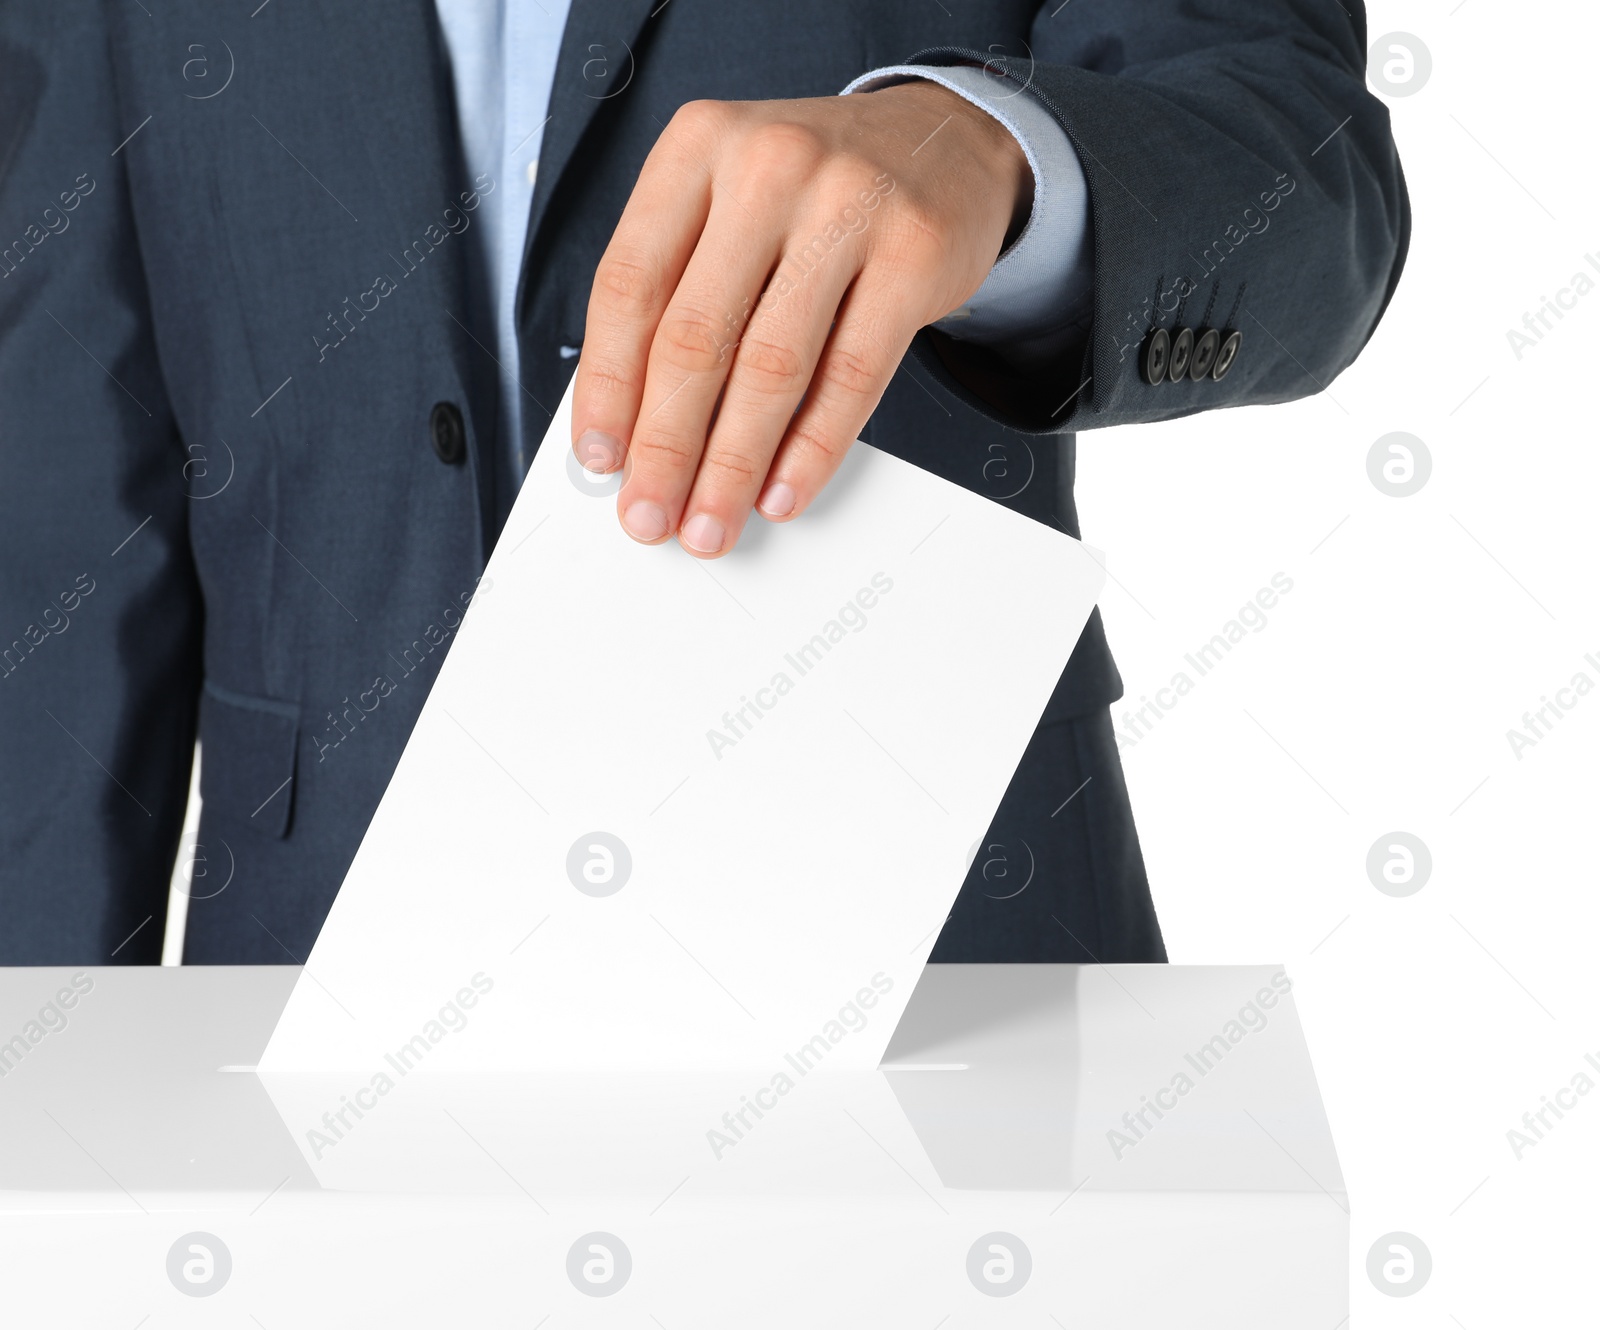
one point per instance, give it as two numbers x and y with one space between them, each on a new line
635 279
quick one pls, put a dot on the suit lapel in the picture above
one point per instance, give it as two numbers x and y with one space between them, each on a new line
597 63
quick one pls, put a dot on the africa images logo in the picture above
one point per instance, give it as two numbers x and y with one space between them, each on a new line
851 617
450 1019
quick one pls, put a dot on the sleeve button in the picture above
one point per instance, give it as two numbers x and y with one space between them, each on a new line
1182 347
1227 354
1156 355
1204 355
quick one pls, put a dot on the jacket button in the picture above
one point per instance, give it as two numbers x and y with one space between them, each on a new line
1204 355
1226 354
448 433
1156 356
1182 346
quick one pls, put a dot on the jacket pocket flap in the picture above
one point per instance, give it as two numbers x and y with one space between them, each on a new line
247 757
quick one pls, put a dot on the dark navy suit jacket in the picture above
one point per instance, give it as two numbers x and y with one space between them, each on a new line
221 506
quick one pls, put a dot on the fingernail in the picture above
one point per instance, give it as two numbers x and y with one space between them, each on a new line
778 501
598 451
645 521
703 534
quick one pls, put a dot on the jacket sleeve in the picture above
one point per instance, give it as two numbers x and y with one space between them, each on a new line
99 607
1241 179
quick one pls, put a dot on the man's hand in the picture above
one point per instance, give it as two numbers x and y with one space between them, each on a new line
769 271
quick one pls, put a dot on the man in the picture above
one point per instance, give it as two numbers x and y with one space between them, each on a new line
287 296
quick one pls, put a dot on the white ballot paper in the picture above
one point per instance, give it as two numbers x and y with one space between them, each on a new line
666 813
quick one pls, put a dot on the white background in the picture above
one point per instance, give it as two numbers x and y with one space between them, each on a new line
1379 695
1384 684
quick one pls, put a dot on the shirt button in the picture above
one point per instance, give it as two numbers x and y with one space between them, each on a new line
448 433
533 170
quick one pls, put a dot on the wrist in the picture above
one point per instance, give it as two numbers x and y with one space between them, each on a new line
993 148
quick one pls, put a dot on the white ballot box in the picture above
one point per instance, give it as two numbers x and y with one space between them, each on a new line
1043 1145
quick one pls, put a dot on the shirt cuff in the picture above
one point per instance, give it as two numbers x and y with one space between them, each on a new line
1038 298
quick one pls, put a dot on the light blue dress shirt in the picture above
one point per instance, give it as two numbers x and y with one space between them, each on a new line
502 60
